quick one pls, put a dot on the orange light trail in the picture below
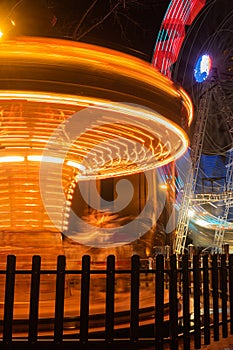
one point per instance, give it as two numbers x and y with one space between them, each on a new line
136 125
110 130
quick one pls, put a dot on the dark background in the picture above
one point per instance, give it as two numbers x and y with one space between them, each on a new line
130 26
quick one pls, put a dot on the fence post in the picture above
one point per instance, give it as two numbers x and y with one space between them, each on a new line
215 286
84 301
186 306
173 301
134 303
59 302
197 320
231 289
206 299
9 299
224 295
34 299
159 302
110 288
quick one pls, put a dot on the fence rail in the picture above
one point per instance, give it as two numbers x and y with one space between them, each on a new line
191 298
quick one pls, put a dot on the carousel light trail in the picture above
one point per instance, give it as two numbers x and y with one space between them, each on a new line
138 123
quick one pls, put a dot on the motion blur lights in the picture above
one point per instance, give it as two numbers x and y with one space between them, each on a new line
66 121
15 159
191 213
54 160
76 165
164 186
162 152
202 223
202 68
11 159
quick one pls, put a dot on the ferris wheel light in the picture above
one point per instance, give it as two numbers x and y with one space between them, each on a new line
202 68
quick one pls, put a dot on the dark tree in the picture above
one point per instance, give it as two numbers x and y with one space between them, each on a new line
126 25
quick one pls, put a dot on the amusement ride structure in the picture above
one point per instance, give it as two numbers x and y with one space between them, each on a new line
204 67
212 90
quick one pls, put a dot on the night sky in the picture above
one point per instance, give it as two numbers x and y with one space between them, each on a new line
130 26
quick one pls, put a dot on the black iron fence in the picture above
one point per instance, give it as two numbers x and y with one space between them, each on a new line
189 301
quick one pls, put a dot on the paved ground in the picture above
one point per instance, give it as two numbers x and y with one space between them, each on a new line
226 344
223 344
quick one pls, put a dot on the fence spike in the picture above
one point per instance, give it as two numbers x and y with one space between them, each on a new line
134 301
9 299
84 300
159 302
186 301
59 301
206 299
34 299
215 287
110 290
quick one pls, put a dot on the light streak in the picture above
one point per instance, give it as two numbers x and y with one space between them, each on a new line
130 132
76 165
11 159
172 32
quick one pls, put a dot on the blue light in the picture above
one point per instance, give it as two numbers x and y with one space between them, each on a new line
202 68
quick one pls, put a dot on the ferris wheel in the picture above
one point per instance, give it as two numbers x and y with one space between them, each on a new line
204 67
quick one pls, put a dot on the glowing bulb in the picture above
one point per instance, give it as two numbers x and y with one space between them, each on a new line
46 159
202 68
191 213
1 34
76 165
163 186
13 22
11 159
34 158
